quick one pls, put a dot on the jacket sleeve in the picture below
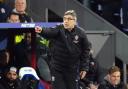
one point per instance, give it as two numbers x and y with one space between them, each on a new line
101 87
49 32
104 85
84 62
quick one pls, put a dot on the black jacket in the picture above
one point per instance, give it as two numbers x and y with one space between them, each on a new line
22 54
107 85
69 50
93 72
24 18
5 10
6 84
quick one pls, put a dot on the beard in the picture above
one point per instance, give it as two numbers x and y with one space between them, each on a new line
11 80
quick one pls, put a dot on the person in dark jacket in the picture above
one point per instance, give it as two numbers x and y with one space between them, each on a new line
4 61
91 79
23 52
4 11
111 11
20 8
13 18
69 48
112 80
11 80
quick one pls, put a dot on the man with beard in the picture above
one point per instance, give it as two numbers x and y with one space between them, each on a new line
10 80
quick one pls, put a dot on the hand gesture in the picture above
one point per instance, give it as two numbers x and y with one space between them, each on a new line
82 74
38 29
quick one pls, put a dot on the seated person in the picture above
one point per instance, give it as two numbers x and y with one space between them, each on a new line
23 52
113 80
4 61
14 18
11 80
91 78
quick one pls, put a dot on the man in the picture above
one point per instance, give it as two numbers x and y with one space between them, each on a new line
69 48
113 80
20 7
91 79
23 52
15 18
10 80
4 11
4 61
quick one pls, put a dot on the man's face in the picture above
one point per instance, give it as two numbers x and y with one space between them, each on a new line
69 22
28 38
14 19
115 78
11 75
20 6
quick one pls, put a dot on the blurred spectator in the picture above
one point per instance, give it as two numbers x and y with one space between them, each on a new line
23 52
4 61
3 39
95 6
11 80
20 8
4 11
113 80
92 74
108 9
125 14
14 18
91 78
111 11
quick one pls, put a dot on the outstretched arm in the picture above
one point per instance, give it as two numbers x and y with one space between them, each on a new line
47 32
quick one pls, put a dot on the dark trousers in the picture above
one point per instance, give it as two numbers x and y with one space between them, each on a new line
64 79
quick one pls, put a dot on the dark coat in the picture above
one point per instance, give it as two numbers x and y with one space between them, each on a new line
5 84
25 18
69 50
107 85
22 54
5 10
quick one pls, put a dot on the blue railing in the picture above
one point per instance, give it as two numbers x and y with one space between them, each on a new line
27 25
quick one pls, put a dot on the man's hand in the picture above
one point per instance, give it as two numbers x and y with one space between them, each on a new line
38 29
82 74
